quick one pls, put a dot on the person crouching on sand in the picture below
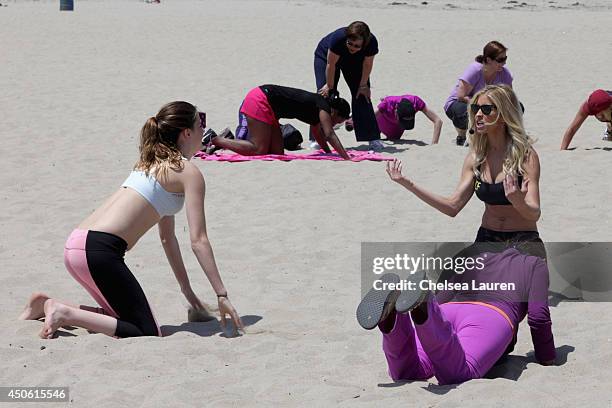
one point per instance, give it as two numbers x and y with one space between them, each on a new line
489 68
395 114
163 180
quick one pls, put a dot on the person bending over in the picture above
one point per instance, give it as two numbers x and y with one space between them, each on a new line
351 51
598 104
265 105
395 114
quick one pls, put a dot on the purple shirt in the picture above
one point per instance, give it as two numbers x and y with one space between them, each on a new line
387 122
474 76
389 103
529 298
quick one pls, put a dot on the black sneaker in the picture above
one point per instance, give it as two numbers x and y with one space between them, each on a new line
409 299
460 140
376 305
208 136
225 133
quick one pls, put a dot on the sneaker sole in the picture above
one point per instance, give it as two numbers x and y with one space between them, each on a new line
408 299
371 307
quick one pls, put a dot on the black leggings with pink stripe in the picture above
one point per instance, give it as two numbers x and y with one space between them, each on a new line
95 260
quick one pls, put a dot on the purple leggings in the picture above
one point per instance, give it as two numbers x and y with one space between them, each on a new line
458 342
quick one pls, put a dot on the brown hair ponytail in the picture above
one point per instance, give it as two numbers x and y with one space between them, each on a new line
159 135
491 51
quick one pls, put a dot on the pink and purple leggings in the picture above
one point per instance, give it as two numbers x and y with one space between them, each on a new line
95 260
457 342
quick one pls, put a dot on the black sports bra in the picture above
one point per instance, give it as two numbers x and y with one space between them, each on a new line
492 193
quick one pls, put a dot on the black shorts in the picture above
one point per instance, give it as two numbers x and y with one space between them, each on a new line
457 112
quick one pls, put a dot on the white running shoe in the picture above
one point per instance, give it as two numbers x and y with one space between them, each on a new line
376 145
314 145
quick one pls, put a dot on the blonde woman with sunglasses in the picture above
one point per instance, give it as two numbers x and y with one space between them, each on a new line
502 168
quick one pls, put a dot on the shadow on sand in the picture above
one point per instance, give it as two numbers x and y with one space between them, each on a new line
206 329
510 367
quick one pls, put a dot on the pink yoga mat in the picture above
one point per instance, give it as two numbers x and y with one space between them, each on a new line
356 156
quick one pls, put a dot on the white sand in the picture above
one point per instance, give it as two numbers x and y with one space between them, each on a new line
77 87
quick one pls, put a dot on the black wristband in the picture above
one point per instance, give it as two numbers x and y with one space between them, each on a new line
222 295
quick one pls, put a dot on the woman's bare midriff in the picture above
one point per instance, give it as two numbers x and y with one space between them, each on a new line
506 218
126 214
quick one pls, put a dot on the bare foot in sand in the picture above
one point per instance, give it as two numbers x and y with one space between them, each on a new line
55 316
34 310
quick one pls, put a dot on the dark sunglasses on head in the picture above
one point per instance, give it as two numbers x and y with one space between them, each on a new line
486 109
501 60
351 44
202 116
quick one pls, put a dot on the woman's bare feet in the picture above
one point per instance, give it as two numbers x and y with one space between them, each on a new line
34 310
55 316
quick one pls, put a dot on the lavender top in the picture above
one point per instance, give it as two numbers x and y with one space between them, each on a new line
474 76
529 298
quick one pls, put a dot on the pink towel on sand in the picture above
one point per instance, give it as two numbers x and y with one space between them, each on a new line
356 156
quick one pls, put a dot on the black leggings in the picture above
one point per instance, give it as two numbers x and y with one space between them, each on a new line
364 120
95 260
526 242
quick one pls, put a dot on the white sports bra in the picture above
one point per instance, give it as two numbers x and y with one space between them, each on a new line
164 202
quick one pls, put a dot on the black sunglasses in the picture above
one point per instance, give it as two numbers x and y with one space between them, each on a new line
486 109
501 60
351 44
202 116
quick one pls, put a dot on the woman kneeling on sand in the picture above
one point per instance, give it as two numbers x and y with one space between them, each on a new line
265 105
163 180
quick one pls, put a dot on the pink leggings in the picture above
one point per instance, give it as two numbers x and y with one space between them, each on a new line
457 342
95 260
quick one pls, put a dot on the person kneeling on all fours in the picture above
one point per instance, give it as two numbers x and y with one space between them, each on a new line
598 104
162 181
459 334
396 114
259 131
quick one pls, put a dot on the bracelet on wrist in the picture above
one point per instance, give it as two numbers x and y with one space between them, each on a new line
222 295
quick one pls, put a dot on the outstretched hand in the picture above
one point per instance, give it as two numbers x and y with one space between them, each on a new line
394 170
226 308
514 193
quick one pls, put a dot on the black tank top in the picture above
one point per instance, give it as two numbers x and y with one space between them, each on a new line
492 193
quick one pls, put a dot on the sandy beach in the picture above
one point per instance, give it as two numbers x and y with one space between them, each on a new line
78 86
